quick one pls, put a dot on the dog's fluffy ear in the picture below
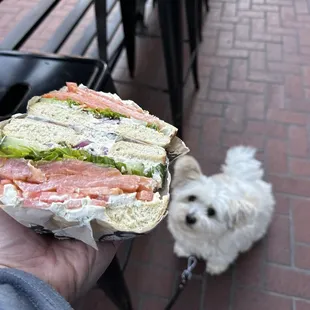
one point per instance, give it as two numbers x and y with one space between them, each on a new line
240 213
186 169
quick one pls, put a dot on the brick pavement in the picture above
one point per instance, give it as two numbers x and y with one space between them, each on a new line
255 89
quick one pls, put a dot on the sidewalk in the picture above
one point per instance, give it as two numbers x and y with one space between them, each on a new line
255 89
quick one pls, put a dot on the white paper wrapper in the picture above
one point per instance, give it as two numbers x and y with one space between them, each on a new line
93 227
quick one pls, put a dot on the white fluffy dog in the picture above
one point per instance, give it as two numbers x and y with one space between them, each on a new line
217 217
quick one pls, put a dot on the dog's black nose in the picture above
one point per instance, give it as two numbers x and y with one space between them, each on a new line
190 219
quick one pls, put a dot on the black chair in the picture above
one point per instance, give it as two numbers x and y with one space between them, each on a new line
105 36
110 42
170 20
200 13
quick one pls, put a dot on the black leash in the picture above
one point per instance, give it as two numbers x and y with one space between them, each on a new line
185 277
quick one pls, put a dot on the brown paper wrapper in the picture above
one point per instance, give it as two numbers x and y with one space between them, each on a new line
95 228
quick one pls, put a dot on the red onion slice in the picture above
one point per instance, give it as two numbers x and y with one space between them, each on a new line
82 144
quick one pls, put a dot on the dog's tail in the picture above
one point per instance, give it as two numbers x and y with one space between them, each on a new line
241 163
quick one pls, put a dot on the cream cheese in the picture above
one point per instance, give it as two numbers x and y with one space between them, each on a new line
10 195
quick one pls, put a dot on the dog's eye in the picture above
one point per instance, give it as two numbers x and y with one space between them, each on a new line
191 198
211 212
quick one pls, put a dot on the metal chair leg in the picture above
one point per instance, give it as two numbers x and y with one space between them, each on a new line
200 19
169 13
101 24
193 30
128 10
112 282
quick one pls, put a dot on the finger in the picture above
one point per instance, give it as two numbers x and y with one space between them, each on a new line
9 225
10 229
103 257
106 252
5 219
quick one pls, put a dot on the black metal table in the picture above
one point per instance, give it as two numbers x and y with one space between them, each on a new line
110 40
171 32
23 76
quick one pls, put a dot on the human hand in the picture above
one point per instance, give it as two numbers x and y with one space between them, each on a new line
70 266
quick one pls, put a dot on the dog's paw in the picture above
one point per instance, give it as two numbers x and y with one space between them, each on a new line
246 247
215 269
179 251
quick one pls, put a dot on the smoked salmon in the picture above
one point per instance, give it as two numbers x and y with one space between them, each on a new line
74 167
95 101
40 184
20 169
72 87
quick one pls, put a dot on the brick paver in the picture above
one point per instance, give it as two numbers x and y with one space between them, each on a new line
255 77
255 88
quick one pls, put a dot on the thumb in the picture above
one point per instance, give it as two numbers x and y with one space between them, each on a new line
106 252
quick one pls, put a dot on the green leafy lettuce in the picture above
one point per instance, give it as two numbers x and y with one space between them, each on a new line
160 170
153 126
16 148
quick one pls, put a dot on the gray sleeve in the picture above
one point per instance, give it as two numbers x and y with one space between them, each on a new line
23 291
